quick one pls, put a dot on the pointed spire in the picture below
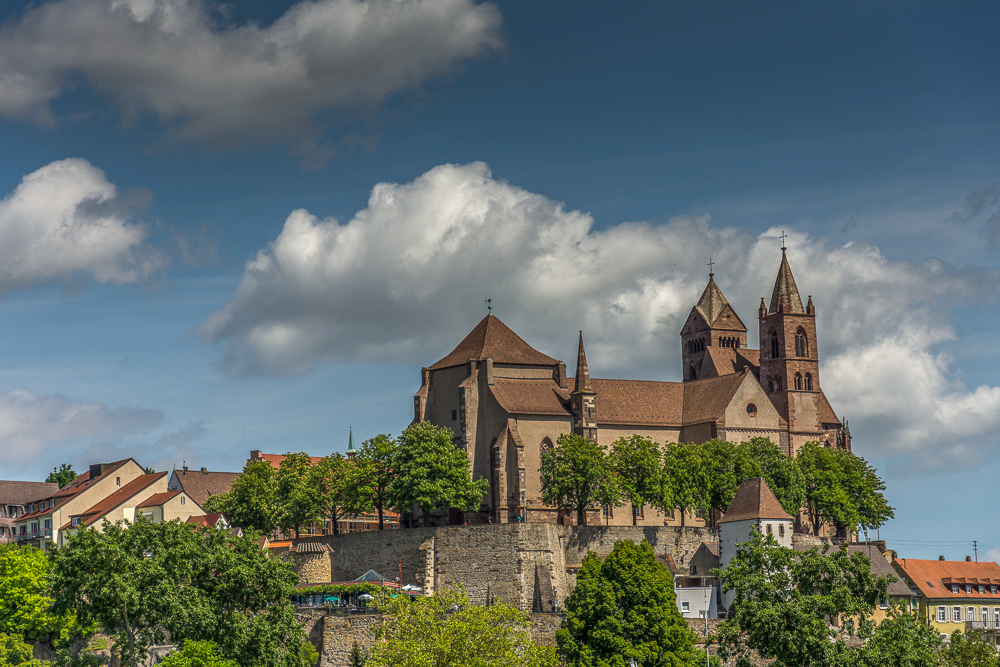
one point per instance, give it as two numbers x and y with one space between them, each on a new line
712 301
785 297
810 308
350 442
583 385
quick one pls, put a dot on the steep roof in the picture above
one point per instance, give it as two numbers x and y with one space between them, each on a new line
492 339
826 413
707 400
531 397
120 497
22 493
583 385
158 499
935 577
754 500
881 567
639 402
726 361
74 488
200 485
712 301
785 293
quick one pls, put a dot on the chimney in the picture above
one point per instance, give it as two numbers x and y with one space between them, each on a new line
204 471
940 557
254 454
968 559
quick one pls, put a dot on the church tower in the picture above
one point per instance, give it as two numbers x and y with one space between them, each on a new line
789 359
584 398
712 323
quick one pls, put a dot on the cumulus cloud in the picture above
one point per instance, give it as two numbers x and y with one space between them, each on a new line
67 222
32 425
404 280
221 84
993 555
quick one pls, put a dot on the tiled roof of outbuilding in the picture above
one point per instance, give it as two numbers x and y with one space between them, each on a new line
200 485
930 575
755 500
492 339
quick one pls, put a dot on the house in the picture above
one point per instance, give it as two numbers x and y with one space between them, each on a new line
168 506
955 595
42 525
897 593
15 498
697 592
200 485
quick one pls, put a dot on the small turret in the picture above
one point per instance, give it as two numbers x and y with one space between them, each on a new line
584 398
810 308
351 452
763 309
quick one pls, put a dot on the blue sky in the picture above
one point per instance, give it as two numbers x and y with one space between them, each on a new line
576 162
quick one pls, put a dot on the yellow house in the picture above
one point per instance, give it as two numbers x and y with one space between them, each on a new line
955 595
169 506
119 506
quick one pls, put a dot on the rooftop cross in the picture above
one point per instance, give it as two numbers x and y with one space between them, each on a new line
783 237
489 305
711 264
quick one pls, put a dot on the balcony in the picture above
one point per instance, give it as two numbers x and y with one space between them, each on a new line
40 534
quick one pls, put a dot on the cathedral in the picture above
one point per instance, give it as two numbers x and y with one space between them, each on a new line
507 402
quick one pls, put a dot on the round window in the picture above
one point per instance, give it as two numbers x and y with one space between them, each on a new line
751 409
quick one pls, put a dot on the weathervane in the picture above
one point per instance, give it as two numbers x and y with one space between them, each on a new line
489 306
711 265
783 237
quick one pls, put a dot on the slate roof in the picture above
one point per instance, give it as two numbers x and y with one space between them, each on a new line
531 397
785 292
119 497
200 485
754 500
882 567
492 339
934 577
158 499
22 493
706 400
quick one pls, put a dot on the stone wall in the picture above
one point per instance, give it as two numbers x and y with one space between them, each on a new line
313 567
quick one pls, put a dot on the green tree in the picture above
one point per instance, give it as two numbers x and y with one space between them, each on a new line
841 489
299 502
969 650
783 601
140 581
198 654
724 467
780 471
902 639
576 475
431 472
624 609
430 632
251 502
375 463
358 657
62 475
635 461
15 651
864 487
24 595
340 487
685 478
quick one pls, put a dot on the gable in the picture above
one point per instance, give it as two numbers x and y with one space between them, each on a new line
750 393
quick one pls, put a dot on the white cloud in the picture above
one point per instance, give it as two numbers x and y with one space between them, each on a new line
405 279
33 427
65 222
993 555
222 84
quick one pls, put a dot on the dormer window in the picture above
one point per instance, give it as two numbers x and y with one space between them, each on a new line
954 588
75 521
982 589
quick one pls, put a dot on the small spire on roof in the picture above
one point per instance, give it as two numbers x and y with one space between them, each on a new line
350 441
711 265
582 371
489 306
783 236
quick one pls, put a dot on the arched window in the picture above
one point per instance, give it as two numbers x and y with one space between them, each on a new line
546 445
770 384
691 373
774 344
801 343
798 381
777 383
809 382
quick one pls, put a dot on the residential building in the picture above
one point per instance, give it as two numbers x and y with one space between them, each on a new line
697 592
169 506
122 505
15 499
897 593
955 595
41 526
200 485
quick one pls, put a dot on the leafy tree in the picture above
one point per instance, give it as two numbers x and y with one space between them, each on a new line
841 489
24 596
864 488
576 475
780 471
375 463
15 651
901 640
635 461
624 609
197 654
724 467
432 472
140 581
685 477
358 657
969 650
298 500
430 632
337 483
62 475
251 502
783 601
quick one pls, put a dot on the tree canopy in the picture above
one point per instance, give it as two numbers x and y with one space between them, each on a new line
841 489
625 609
780 471
340 488
724 466
686 477
576 475
444 630
62 475
15 651
431 472
250 503
375 465
298 499
198 654
635 461
24 595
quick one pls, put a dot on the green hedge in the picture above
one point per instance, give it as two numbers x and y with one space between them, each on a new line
338 589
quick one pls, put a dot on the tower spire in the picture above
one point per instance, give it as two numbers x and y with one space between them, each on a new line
583 385
350 443
785 297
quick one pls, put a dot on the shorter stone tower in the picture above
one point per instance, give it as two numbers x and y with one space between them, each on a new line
584 398
712 323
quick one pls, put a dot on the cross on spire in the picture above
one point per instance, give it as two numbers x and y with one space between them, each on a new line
783 236
711 265
489 305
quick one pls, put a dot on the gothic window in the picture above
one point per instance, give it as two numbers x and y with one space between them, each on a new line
801 343
694 375
777 383
496 457
774 344
546 445
770 384
809 382
798 381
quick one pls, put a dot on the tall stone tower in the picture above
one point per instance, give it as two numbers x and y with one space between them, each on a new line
584 398
711 323
789 359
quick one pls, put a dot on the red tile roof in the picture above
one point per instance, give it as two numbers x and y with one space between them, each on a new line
274 460
119 497
531 397
707 400
158 499
826 413
205 520
754 500
726 361
492 339
639 402
930 576
200 486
